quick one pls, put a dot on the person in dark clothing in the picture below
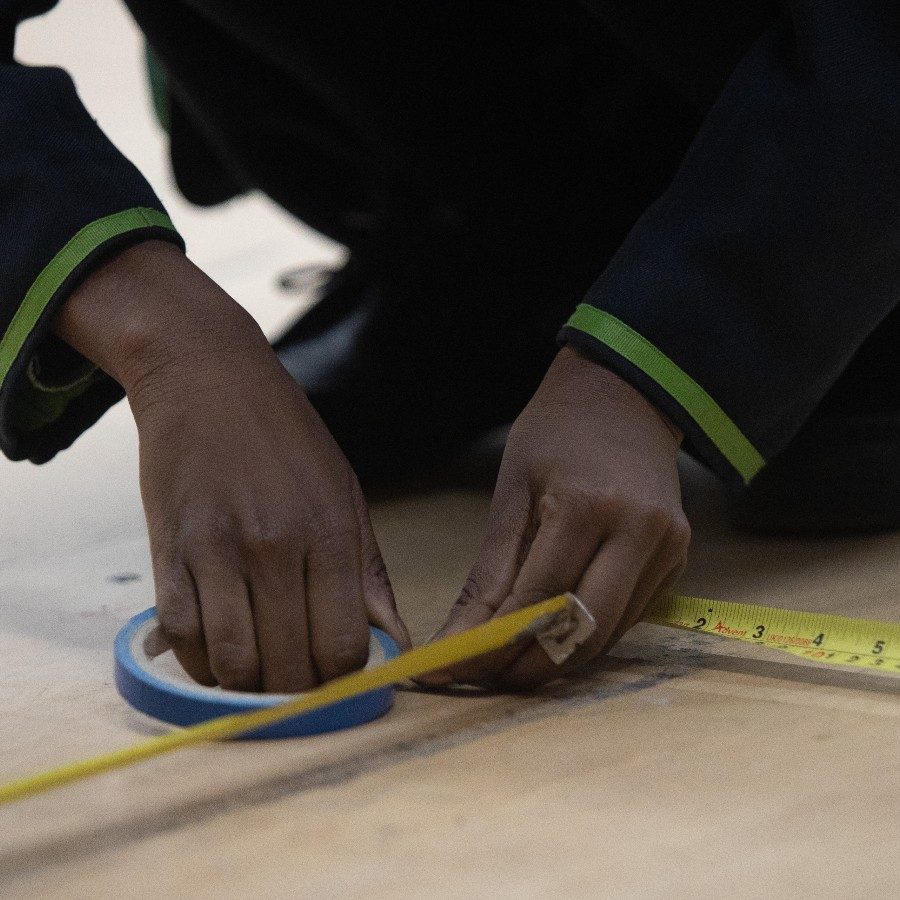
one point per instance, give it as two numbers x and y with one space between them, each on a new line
713 187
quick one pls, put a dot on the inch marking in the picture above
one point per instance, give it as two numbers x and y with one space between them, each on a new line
822 637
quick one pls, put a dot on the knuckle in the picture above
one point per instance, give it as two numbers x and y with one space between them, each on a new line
209 533
235 666
265 539
180 626
683 529
582 504
681 534
331 537
654 518
270 535
549 506
557 502
609 507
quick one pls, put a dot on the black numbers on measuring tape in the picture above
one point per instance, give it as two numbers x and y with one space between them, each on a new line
879 646
759 631
817 640
851 659
699 623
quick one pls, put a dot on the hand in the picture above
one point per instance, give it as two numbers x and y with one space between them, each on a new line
587 500
266 568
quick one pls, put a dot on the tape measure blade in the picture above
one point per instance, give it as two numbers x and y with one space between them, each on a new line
822 637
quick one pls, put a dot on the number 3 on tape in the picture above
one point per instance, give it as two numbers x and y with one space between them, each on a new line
822 637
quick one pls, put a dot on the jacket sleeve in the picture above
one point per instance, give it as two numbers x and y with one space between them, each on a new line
743 292
68 199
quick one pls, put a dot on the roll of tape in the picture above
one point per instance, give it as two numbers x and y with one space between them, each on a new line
150 679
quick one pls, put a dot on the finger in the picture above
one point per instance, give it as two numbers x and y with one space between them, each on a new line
377 590
227 626
669 563
338 621
178 611
567 540
607 589
278 599
659 577
505 546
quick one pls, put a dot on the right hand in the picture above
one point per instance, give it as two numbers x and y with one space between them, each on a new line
266 567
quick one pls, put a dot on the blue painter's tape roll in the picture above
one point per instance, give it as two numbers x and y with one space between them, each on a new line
153 683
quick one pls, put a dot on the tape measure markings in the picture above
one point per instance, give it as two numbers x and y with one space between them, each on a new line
822 637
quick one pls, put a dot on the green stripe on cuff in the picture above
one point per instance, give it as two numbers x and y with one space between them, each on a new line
711 418
59 268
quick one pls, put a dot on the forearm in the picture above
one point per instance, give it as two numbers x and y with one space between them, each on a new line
150 308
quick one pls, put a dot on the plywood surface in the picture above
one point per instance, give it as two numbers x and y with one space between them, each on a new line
685 765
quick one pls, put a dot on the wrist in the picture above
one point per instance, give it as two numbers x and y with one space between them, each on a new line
597 379
148 310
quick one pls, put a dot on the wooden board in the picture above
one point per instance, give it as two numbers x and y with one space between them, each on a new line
685 765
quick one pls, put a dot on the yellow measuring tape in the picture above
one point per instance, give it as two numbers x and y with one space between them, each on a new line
822 637
816 636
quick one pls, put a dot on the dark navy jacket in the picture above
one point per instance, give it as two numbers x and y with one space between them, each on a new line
734 303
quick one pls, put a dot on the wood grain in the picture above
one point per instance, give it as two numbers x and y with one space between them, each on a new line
682 765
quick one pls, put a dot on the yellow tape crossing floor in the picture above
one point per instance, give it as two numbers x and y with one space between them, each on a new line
822 637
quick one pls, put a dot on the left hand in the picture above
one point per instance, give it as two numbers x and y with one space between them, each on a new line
588 500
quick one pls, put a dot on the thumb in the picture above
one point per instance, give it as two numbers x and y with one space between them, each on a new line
491 578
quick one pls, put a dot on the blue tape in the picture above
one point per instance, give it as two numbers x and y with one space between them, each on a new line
181 702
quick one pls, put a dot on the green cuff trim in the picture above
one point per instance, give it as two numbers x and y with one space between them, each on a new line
708 415
54 274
